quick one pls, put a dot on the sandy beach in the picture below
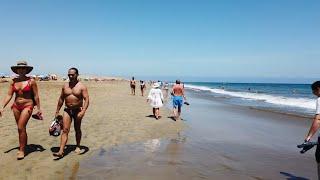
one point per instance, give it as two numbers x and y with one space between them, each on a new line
114 118
215 140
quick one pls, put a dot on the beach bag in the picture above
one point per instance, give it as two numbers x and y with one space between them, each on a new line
56 126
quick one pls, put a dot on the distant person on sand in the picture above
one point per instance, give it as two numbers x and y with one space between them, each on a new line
133 86
142 87
155 98
26 97
316 122
160 83
75 96
177 99
166 89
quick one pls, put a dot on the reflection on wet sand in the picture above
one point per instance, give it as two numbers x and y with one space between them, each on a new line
151 145
159 159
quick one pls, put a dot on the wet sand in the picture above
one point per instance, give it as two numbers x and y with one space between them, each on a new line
223 142
114 118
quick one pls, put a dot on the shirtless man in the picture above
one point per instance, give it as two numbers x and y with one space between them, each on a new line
177 99
133 86
76 98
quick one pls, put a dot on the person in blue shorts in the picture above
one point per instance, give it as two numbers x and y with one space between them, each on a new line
177 99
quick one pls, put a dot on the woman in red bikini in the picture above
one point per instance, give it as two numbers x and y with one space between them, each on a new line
26 97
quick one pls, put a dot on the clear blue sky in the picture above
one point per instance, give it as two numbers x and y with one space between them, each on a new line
239 39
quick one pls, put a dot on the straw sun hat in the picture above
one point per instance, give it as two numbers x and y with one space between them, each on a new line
21 64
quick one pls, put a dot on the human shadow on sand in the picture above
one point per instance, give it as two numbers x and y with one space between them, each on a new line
30 148
172 118
68 149
292 177
153 117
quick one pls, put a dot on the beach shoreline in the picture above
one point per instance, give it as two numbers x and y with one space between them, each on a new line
114 117
223 141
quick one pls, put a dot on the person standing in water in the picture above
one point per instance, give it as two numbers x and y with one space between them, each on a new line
75 96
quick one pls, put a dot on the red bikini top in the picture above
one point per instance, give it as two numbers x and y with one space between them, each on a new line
25 89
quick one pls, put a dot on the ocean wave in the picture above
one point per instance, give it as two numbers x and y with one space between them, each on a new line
277 100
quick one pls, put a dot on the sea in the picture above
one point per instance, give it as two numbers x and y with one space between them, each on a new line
293 99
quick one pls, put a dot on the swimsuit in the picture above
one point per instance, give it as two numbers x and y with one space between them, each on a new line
133 84
72 112
21 107
177 101
27 88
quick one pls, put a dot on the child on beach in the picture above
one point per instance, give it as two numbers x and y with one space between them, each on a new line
26 98
155 98
316 122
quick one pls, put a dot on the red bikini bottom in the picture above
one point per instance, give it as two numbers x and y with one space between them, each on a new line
21 107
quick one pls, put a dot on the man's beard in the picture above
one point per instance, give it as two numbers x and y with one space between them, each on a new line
72 79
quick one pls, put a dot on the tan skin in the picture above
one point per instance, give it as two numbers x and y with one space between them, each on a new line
24 99
142 87
75 95
178 90
133 83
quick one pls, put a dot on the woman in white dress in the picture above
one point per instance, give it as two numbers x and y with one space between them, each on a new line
155 98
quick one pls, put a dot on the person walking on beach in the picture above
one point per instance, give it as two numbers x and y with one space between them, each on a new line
133 86
26 97
177 99
316 122
166 89
155 98
75 96
142 87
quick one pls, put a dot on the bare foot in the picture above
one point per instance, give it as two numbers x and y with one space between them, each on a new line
77 150
20 155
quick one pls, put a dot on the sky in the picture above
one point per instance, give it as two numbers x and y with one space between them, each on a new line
210 40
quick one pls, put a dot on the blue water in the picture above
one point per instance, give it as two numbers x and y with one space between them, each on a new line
296 99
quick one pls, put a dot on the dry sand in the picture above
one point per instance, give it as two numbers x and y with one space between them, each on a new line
114 117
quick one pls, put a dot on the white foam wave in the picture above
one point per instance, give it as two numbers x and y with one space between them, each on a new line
277 100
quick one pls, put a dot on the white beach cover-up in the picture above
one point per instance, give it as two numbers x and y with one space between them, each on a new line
155 97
